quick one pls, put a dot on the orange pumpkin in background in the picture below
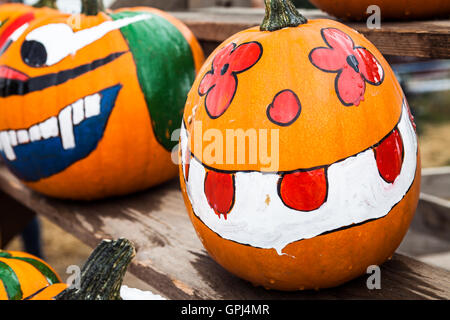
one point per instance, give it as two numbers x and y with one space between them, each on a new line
389 10
88 102
22 274
326 179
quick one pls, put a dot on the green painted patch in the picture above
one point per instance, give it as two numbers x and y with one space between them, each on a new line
4 254
10 282
3 22
165 68
44 269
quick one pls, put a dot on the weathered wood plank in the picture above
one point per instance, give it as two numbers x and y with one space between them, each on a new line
172 260
434 205
428 39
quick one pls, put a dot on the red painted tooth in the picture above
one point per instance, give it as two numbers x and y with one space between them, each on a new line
304 190
411 117
187 163
285 108
220 191
389 156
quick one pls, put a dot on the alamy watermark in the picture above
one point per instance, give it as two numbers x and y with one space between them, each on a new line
374 280
374 20
233 146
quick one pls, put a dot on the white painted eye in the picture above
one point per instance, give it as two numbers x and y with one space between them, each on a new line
47 45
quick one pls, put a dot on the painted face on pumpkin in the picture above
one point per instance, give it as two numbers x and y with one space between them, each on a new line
82 121
271 210
67 82
318 189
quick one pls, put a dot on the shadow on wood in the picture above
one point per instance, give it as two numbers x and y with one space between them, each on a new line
14 217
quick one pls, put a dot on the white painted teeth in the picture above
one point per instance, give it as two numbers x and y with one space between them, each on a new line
6 144
92 105
22 136
35 133
13 138
78 111
49 128
62 125
66 126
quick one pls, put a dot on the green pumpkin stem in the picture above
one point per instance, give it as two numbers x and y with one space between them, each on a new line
45 3
103 272
92 7
281 14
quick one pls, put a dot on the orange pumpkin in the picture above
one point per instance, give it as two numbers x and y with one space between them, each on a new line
299 159
390 10
22 274
13 15
88 102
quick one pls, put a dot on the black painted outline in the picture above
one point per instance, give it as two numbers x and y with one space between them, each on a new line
339 72
234 74
9 87
270 106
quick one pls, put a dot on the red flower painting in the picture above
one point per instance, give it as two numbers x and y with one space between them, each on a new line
354 65
220 83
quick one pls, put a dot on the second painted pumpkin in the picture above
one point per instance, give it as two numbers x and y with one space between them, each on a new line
88 102
299 158
22 274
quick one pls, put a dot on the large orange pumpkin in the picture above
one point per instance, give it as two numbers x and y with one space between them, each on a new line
389 10
299 159
88 102
22 274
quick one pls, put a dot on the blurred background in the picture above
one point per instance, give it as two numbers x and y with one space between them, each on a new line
426 84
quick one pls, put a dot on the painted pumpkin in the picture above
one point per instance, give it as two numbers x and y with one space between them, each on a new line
389 10
48 293
88 102
16 15
22 274
299 158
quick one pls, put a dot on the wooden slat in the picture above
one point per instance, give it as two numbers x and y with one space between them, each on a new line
428 39
434 205
172 260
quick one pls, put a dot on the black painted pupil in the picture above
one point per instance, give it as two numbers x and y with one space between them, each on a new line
33 53
224 69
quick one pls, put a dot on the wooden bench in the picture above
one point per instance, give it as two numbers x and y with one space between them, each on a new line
172 260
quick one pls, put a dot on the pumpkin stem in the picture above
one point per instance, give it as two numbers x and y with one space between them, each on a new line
45 3
281 14
92 7
103 272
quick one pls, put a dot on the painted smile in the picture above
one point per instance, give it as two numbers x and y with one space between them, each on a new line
271 210
49 147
